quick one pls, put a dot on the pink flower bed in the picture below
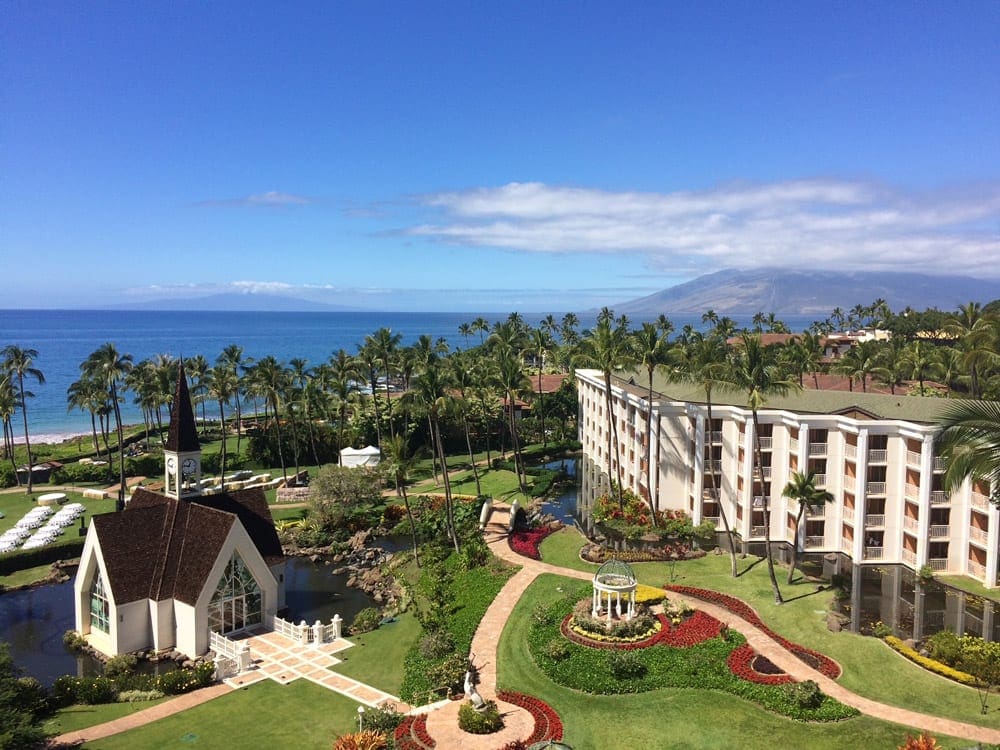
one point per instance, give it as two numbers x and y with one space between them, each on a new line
548 725
823 664
525 541
741 664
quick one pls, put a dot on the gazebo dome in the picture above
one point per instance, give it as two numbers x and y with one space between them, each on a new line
615 574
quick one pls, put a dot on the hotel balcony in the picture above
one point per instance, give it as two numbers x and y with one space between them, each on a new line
717 520
846 543
820 480
939 497
713 465
848 513
850 451
939 464
816 511
873 553
910 558
765 443
817 449
758 501
874 519
793 446
756 531
980 501
938 563
813 542
938 531
913 458
875 488
878 456
765 472
977 570
912 492
714 436
910 524
979 536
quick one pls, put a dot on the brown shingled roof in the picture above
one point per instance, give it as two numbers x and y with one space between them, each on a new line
183 433
161 548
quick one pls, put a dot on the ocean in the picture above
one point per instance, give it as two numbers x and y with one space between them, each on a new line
65 338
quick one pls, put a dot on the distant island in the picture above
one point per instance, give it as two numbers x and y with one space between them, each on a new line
234 302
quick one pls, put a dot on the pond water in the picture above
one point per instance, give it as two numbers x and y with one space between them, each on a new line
33 621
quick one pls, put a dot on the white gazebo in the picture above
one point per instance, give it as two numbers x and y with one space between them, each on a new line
613 579
367 456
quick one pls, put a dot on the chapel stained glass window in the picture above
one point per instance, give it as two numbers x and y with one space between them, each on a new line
236 603
100 609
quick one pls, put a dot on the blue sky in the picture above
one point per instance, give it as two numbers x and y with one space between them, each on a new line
488 156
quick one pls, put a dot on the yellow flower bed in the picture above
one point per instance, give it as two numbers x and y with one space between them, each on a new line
657 626
649 594
927 663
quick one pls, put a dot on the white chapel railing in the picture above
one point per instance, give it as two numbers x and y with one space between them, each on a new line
230 656
317 633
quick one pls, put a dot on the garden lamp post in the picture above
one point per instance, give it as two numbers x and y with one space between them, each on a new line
361 718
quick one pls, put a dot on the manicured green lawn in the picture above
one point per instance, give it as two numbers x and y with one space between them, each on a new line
674 718
377 657
970 586
500 484
870 667
81 716
300 715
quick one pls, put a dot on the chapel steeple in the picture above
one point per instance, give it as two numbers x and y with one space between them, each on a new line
182 451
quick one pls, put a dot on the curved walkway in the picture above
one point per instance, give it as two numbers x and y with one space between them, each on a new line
487 638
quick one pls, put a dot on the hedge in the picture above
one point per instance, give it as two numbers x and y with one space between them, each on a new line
11 562
927 663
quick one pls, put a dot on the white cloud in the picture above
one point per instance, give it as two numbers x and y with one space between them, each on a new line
821 223
270 199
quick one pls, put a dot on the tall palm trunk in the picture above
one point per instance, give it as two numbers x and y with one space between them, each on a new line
93 433
448 503
277 428
718 500
401 486
613 431
222 467
27 441
472 457
121 448
759 458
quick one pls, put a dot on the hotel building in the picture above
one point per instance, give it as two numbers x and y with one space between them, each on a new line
874 453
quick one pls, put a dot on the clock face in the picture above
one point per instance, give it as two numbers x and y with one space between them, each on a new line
188 466
171 464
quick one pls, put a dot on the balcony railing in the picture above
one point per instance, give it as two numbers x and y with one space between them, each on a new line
939 497
878 456
850 451
874 519
848 513
793 445
713 465
910 524
913 458
977 569
979 536
817 449
714 519
820 480
938 531
816 511
939 464
758 501
873 553
765 443
846 543
765 472
980 501
756 531
912 492
875 488
938 563
909 557
812 542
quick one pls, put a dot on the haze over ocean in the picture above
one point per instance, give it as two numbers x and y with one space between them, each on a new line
65 338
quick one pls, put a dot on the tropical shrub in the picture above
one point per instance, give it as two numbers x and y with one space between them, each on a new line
487 720
928 663
625 665
436 644
383 719
804 694
74 641
366 620
923 742
121 664
368 739
557 649
139 696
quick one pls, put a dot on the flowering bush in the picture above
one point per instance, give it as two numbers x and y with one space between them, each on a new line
823 664
599 639
525 541
691 631
367 739
633 518
927 663
411 734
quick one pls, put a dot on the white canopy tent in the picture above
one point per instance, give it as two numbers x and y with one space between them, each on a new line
367 456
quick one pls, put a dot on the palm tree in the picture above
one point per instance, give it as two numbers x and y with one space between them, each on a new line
368 359
802 488
974 331
859 363
222 385
110 369
232 358
702 360
608 347
400 463
197 369
757 373
514 382
343 385
18 363
921 361
540 344
270 381
385 344
969 442
890 366
652 348
462 374
87 395
8 405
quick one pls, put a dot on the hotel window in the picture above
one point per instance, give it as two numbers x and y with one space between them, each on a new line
100 609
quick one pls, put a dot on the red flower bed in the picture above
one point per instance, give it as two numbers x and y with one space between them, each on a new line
525 541
823 664
696 629
740 663
548 725
411 734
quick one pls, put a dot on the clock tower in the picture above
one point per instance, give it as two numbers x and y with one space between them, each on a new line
182 452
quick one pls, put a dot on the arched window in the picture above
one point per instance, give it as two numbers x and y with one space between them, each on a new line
100 609
236 604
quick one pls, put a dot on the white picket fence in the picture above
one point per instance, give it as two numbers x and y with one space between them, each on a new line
316 634
231 657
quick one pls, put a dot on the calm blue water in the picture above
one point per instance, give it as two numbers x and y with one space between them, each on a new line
64 339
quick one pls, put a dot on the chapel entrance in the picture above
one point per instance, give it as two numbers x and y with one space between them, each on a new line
236 604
